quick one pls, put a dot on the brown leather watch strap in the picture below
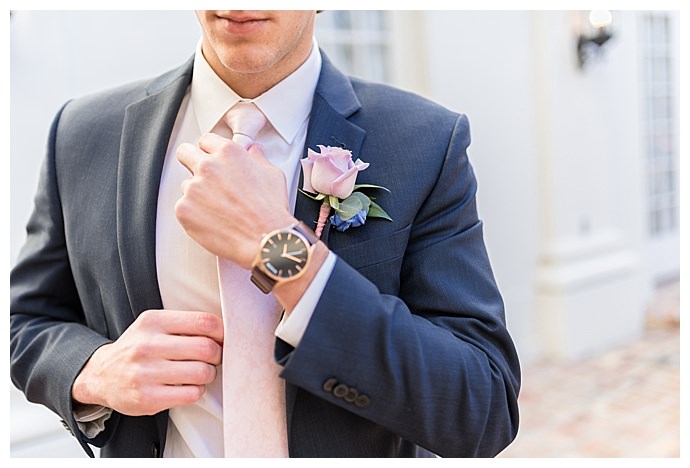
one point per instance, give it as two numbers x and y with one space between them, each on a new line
263 282
306 232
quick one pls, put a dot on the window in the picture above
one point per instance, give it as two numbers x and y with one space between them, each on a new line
660 102
358 42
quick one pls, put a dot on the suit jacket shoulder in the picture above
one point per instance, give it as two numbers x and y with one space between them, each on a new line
106 108
389 98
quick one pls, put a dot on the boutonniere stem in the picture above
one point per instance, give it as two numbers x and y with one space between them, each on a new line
324 211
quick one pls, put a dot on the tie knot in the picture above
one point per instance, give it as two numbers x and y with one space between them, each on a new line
246 121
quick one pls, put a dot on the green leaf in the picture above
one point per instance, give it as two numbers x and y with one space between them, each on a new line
353 205
375 211
366 201
317 197
334 202
360 186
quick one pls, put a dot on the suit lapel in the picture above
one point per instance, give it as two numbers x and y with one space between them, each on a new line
145 135
334 102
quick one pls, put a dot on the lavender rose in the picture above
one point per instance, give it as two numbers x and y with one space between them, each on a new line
331 171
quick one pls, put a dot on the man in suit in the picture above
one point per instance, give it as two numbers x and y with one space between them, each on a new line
392 340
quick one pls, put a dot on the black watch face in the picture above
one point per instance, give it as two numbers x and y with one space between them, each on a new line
284 255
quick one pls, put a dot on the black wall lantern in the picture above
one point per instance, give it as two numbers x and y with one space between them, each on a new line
594 35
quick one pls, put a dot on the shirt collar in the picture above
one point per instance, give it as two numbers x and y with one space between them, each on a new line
287 105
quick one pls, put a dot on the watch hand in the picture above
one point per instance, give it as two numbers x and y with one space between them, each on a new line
293 258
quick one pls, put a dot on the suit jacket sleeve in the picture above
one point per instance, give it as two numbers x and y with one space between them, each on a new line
431 359
49 339
82 277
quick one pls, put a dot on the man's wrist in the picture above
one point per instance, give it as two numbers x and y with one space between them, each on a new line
250 243
292 327
82 392
289 293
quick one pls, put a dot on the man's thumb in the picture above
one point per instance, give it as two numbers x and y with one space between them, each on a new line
256 151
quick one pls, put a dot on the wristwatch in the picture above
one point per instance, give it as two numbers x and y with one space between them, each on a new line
283 256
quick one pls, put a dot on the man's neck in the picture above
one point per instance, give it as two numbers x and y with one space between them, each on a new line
254 84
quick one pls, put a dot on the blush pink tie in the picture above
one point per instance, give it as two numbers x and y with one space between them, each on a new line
253 393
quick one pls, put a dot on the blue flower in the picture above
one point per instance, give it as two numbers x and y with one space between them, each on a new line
343 225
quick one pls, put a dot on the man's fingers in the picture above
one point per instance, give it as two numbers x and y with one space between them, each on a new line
192 157
212 143
257 151
192 323
189 156
187 348
183 373
157 398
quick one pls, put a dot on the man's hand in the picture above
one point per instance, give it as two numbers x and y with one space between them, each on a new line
164 359
233 198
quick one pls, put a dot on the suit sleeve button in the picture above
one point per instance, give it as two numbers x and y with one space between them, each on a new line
66 426
329 384
341 390
351 395
362 401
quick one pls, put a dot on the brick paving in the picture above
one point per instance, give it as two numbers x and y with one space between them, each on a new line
621 403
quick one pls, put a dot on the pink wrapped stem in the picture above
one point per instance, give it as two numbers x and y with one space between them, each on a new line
323 216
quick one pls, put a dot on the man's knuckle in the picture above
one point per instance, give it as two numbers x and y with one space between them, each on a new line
207 322
206 349
226 146
179 208
182 210
139 353
149 317
193 189
205 373
191 393
206 168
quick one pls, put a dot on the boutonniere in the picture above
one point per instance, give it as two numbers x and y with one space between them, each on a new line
329 177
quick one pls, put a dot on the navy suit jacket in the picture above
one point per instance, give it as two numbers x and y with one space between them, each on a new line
407 351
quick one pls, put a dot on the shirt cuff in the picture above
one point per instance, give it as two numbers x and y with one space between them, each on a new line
292 328
91 419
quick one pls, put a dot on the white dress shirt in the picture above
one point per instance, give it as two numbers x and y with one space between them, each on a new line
187 274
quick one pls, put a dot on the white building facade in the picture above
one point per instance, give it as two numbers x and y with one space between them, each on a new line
578 166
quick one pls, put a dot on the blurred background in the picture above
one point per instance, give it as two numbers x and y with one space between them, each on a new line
575 119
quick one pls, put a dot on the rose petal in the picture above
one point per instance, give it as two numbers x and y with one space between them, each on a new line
361 165
343 185
342 158
307 167
323 174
